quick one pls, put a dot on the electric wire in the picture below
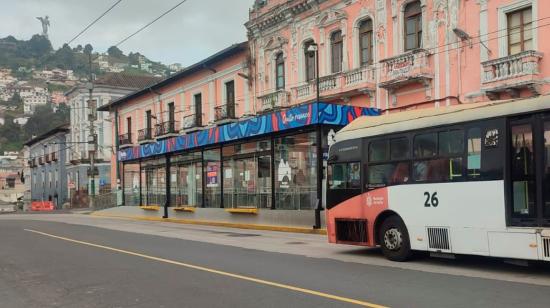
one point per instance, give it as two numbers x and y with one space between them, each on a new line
94 22
150 23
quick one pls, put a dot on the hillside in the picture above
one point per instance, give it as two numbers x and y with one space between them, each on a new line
37 53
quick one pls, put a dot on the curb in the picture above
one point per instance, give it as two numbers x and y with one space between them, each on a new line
219 224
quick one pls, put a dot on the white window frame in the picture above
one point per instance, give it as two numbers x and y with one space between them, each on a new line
273 61
503 12
328 49
401 38
356 45
302 59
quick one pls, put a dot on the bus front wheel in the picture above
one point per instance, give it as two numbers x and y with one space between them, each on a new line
394 239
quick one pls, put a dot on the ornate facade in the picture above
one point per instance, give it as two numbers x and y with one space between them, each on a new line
422 53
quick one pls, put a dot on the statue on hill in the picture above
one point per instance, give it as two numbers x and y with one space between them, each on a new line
45 25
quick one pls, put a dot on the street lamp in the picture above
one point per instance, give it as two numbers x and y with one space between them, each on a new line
44 173
314 49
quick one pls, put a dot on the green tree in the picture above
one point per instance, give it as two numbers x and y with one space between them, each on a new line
88 49
10 135
38 46
114 52
16 101
45 119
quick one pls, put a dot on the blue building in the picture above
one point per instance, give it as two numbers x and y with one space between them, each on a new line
47 160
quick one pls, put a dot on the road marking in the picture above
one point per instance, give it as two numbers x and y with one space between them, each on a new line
218 272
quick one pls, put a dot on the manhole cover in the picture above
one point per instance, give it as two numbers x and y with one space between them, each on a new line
296 243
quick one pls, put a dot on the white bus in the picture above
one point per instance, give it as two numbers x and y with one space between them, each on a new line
466 179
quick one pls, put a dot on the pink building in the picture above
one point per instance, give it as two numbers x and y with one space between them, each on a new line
398 54
58 97
243 132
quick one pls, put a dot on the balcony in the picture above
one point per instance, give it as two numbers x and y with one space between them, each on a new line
511 74
411 67
53 156
47 158
191 122
125 140
272 101
353 82
224 113
41 161
166 129
145 135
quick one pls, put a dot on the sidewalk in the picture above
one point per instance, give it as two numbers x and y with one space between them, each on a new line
135 213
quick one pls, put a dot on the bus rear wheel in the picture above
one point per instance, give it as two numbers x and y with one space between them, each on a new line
394 239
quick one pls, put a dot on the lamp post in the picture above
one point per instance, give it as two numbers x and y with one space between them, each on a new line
92 137
314 49
44 172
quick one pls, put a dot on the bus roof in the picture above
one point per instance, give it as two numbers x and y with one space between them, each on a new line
432 117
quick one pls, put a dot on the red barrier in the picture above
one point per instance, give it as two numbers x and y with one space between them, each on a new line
42 206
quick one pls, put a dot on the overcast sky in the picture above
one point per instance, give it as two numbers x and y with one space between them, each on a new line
195 30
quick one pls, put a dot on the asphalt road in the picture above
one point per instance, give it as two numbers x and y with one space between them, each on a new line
47 263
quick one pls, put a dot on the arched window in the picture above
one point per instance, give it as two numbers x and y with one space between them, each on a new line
413 26
366 42
280 71
309 61
336 48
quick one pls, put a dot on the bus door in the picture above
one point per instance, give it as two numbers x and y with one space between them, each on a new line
344 172
530 171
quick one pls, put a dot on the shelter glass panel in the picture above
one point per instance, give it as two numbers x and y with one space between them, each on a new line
296 172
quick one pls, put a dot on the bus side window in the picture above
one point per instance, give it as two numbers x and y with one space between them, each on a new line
354 176
344 176
337 176
438 156
388 167
451 145
474 153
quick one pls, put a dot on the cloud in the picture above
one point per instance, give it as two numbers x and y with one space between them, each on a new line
193 31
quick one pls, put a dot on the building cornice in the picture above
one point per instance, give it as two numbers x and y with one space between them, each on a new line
281 13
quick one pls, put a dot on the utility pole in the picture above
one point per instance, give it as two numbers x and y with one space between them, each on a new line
314 48
92 138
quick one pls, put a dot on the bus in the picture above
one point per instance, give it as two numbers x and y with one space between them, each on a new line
465 179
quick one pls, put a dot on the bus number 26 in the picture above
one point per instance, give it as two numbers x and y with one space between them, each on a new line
431 199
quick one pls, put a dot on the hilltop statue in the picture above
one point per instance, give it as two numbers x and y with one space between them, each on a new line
45 25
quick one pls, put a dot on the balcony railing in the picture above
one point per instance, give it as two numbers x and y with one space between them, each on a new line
224 112
166 128
305 90
191 121
275 100
518 65
359 76
125 139
145 134
336 84
412 66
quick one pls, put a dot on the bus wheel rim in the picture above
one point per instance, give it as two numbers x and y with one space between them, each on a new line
393 239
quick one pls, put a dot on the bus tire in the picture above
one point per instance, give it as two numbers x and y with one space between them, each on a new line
394 239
